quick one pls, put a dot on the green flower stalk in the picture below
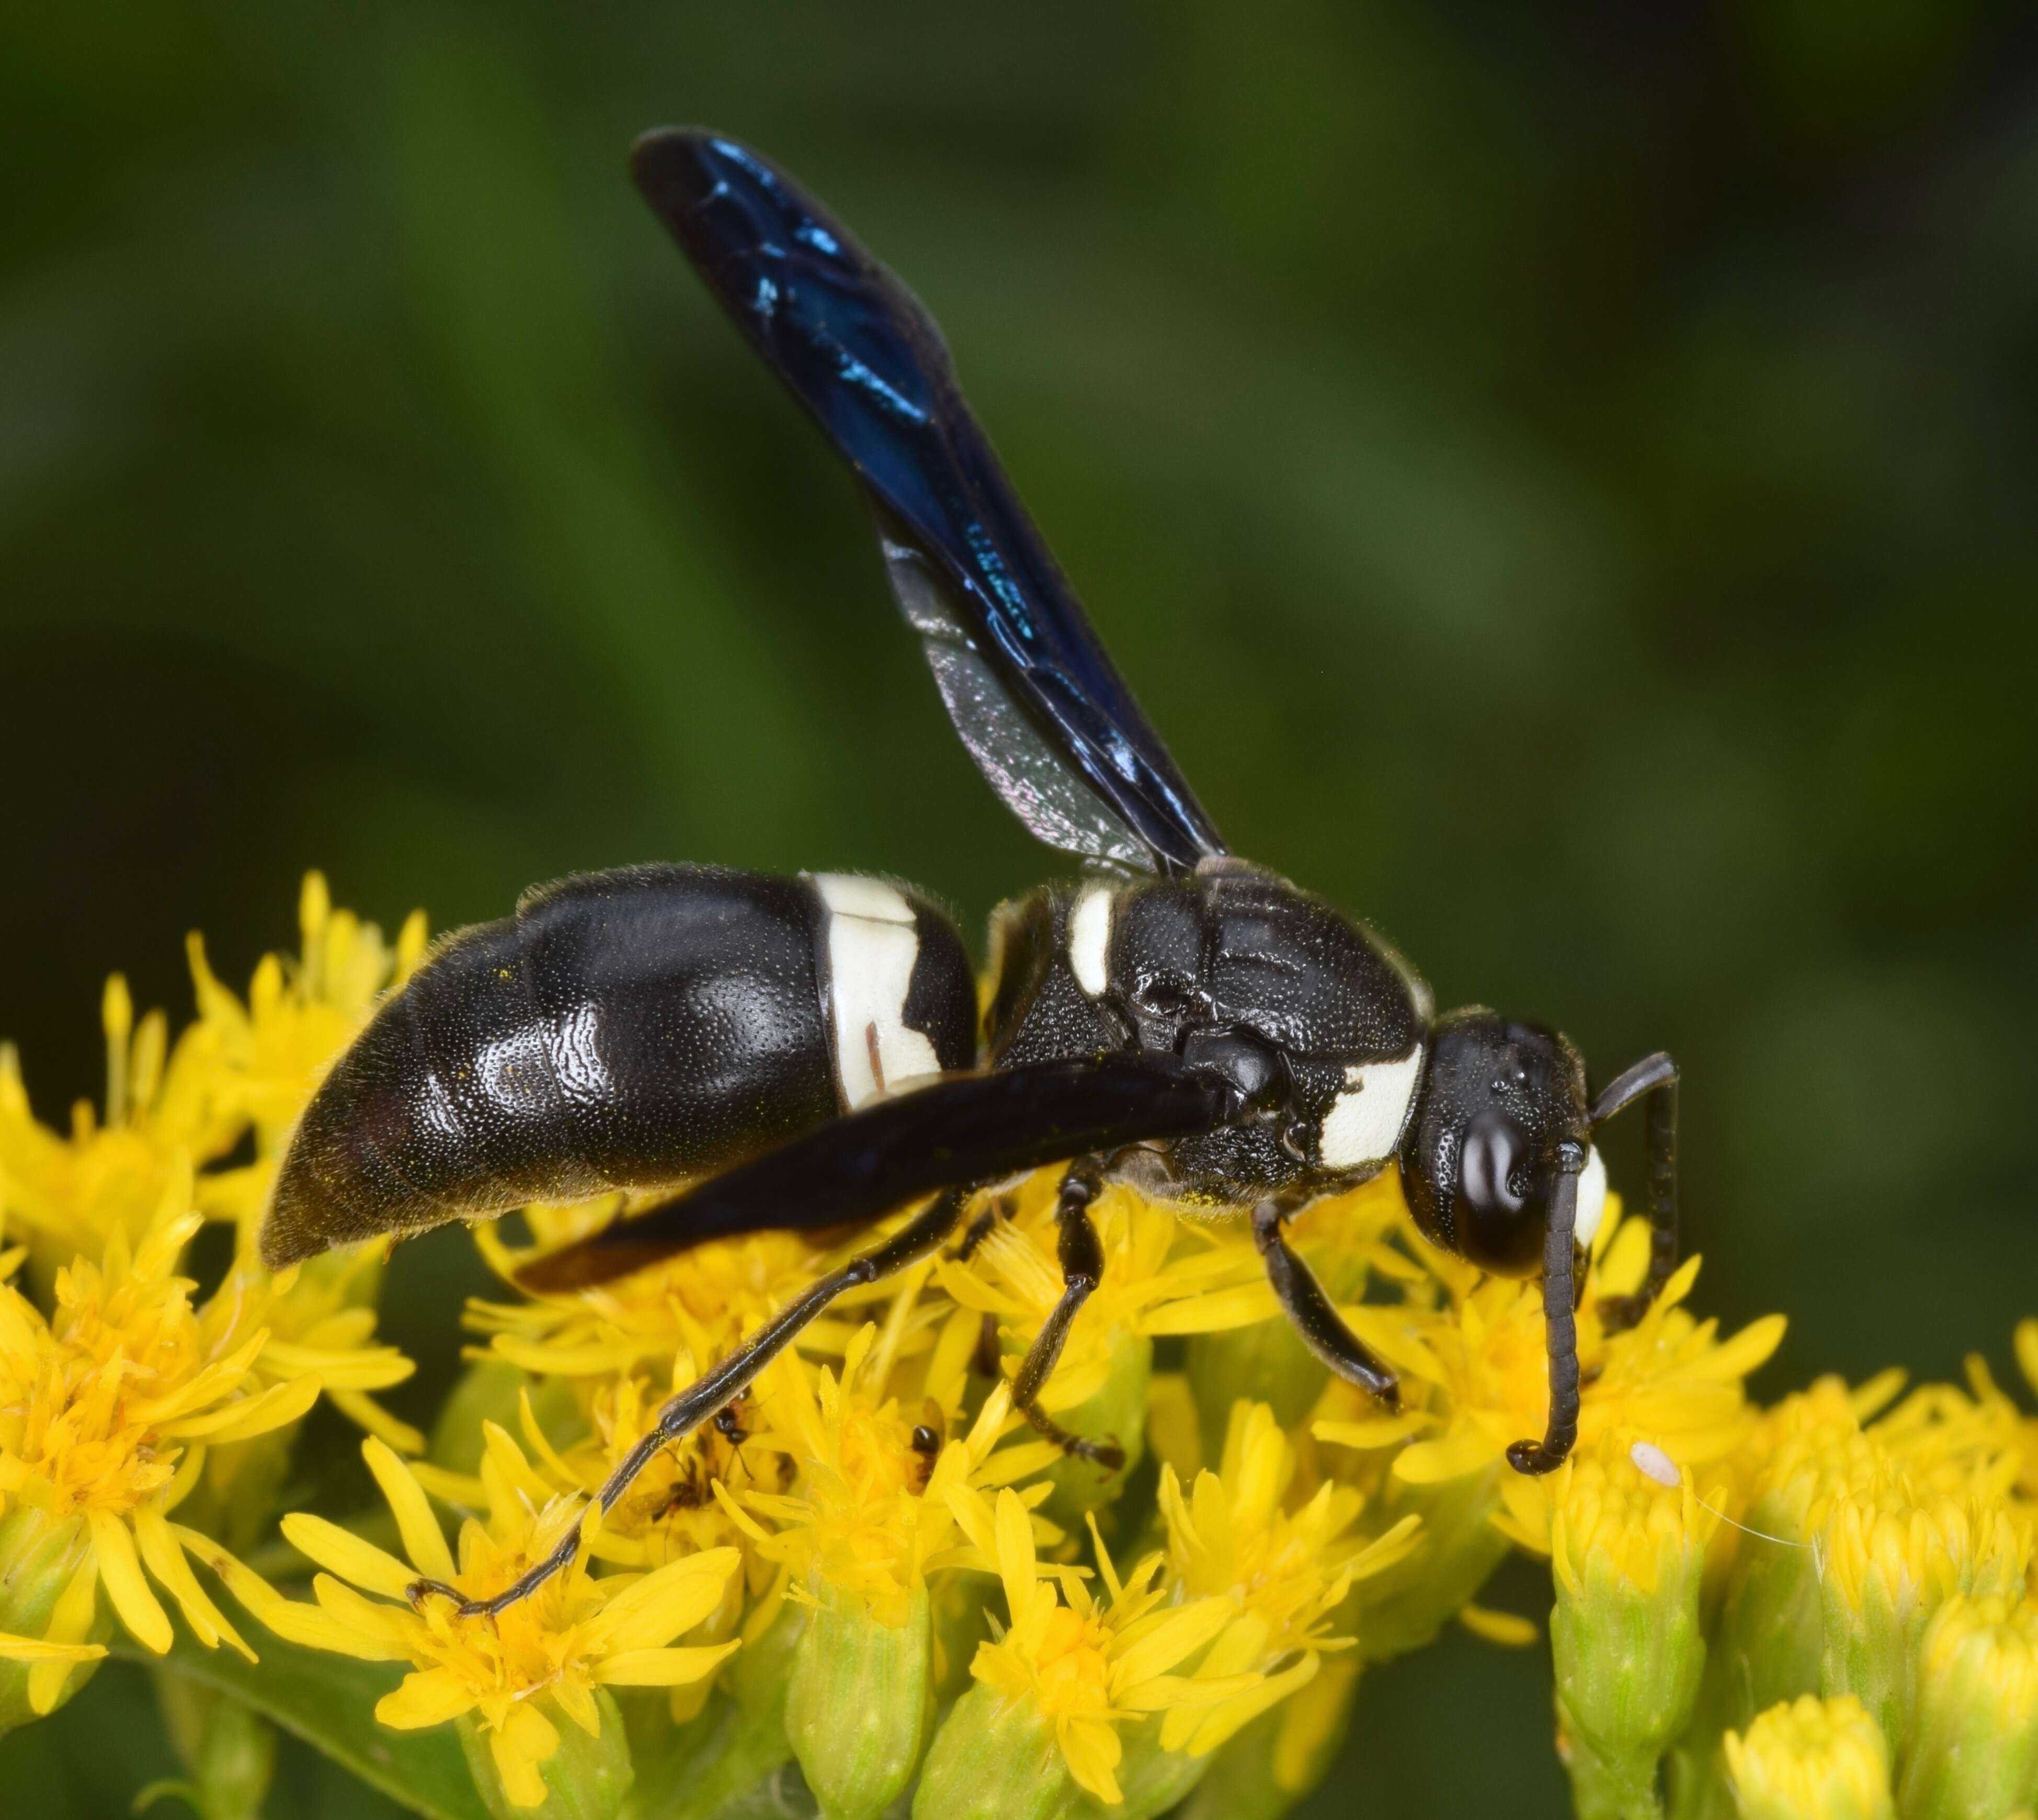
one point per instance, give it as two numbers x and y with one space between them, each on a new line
1811 1759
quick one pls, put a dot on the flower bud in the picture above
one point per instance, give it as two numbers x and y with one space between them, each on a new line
48 1590
229 1750
1974 1751
584 1778
1811 1759
1628 1553
995 1758
860 1702
1888 1562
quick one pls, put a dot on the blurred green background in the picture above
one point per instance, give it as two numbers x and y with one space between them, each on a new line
1563 478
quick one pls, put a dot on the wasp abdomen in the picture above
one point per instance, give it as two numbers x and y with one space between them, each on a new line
627 1029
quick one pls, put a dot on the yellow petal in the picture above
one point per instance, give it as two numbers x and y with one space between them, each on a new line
661 1667
430 1697
1167 1691
295 1622
345 1554
521 1783
367 1618
463 1491
1176 1637
364 1412
1245 1306
165 1560
576 1700
76 1607
656 1609
1749 1347
1015 1551
423 1540
1430 1462
1092 1751
1211 1728
1507 1629
38 1649
1373 1430
121 1569
274 1408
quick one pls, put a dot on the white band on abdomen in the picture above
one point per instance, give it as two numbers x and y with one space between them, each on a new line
872 946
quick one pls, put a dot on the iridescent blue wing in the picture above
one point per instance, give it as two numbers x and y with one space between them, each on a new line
1031 693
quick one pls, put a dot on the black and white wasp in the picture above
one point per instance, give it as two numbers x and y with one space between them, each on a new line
805 1052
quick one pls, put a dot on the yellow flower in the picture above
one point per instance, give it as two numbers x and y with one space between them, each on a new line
551 1653
1811 1759
1162 1274
1283 1572
106 1410
873 1514
671 1509
704 1302
321 1317
265 1057
65 1193
1477 1369
1085 1667
174 1106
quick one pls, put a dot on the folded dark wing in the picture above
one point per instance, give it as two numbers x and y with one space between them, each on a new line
969 1129
1032 693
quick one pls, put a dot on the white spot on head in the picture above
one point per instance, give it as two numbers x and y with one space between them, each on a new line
872 946
1365 1121
1089 938
1652 1462
1592 1196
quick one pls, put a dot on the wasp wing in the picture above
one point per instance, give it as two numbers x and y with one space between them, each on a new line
951 1133
1032 693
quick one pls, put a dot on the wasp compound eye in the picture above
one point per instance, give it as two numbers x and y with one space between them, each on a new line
1502 1197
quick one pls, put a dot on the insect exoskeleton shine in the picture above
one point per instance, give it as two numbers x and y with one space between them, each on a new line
807 1051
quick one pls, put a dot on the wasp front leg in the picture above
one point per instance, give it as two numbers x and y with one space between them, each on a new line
1081 1256
1322 1329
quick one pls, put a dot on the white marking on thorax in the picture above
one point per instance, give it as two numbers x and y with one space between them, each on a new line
1365 1121
1089 938
1592 1196
872 945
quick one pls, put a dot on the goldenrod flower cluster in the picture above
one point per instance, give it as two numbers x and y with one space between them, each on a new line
869 1586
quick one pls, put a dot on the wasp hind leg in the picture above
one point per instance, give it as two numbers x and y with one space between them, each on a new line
706 1396
1081 1256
